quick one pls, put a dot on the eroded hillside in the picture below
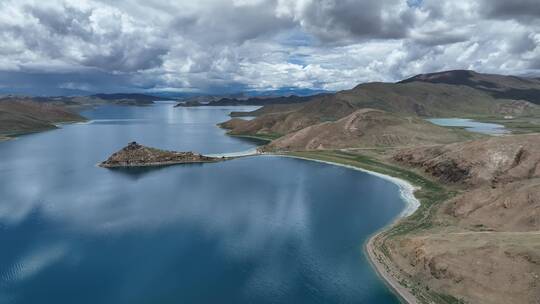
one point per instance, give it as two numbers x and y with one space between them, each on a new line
22 115
368 128
483 245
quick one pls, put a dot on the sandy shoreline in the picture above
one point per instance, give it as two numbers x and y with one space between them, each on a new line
401 291
249 152
406 190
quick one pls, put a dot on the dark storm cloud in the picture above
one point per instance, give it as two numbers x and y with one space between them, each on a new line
88 81
352 19
223 23
63 21
520 10
126 57
438 37
522 43
68 32
224 45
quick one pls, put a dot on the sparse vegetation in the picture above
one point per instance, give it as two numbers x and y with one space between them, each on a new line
24 115
266 138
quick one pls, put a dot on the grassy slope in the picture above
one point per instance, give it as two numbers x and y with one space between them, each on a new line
22 116
518 125
266 138
430 194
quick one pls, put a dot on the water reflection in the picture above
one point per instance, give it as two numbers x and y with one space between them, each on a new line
135 173
471 125
260 229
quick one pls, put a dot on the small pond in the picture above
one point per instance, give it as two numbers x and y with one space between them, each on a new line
471 125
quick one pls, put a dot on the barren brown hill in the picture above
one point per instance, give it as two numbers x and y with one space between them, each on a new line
425 99
483 245
23 115
367 128
499 86
411 99
491 161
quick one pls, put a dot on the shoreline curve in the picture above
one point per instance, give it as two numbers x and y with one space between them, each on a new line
406 190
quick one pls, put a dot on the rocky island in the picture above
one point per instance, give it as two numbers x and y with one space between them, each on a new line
136 155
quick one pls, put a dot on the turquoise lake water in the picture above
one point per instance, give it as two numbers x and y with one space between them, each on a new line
471 125
252 230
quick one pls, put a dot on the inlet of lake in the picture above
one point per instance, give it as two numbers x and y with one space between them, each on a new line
260 229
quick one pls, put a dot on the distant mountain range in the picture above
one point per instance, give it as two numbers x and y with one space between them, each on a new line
499 86
446 94
246 101
128 98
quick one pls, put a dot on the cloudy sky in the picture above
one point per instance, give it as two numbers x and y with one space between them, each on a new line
233 45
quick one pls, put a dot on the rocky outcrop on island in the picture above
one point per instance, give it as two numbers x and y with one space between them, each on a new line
136 155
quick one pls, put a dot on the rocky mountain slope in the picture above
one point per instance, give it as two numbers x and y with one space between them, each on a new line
499 86
483 245
367 128
23 115
492 161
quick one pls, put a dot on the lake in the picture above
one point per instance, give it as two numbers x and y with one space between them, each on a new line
471 125
261 229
